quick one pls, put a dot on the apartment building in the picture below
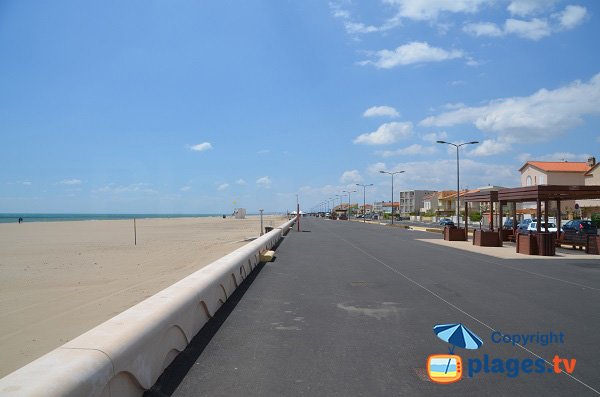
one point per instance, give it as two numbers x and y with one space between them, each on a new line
411 201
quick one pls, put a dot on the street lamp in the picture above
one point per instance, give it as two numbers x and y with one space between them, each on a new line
392 174
457 146
349 192
364 200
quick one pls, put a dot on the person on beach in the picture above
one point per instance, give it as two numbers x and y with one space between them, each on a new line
20 220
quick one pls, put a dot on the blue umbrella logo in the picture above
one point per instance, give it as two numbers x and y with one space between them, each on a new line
457 335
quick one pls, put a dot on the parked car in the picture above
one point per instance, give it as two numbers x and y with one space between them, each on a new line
508 224
522 227
532 228
360 216
582 226
446 222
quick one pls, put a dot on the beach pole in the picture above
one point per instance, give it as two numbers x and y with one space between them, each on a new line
134 233
261 222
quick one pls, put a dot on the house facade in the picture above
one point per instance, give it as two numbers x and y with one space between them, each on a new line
561 173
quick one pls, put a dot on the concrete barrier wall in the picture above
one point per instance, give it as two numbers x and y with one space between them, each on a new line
125 355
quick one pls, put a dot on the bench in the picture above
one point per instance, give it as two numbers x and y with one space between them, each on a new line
574 238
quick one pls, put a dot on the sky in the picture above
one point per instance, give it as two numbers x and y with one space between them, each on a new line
206 106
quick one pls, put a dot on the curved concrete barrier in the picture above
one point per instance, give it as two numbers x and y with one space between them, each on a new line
125 355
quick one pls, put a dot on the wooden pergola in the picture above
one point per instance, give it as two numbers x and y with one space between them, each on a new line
482 196
544 194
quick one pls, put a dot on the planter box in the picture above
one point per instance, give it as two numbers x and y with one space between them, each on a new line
593 246
526 244
546 243
486 238
454 234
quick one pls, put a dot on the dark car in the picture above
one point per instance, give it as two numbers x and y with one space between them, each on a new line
522 227
586 227
446 222
508 224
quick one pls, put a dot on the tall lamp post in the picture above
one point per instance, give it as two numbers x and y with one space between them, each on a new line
349 192
392 174
364 200
457 146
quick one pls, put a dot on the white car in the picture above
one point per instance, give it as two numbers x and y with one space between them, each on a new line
532 228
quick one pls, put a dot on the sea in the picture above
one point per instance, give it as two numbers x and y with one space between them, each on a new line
13 218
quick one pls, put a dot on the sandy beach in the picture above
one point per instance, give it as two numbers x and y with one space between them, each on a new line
60 279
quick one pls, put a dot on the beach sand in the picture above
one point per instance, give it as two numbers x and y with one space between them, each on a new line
60 279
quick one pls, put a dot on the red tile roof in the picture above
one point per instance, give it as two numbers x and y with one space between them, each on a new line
559 166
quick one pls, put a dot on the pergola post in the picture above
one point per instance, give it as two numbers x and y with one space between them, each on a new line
466 220
538 215
500 225
514 216
558 220
491 215
546 210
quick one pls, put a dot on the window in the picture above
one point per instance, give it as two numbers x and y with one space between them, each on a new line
528 181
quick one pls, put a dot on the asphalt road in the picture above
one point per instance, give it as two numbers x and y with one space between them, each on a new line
347 309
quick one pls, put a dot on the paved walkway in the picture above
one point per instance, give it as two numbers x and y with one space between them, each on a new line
348 309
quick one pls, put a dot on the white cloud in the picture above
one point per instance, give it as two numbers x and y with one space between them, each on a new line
527 7
222 186
425 10
560 156
201 147
535 29
386 133
70 182
411 53
26 183
483 29
354 27
377 111
571 16
186 188
264 182
111 188
433 137
411 150
439 174
490 147
457 82
263 151
240 181
539 117
351 177
373 169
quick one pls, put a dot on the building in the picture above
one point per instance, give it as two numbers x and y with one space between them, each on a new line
430 203
446 202
555 172
592 177
561 173
365 209
411 201
385 207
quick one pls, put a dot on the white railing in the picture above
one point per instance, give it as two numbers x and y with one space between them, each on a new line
125 355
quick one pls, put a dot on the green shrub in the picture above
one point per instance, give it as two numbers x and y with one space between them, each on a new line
475 216
596 220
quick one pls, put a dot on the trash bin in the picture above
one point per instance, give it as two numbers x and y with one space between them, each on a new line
268 229
546 243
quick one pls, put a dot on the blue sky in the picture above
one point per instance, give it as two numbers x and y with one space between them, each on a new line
203 106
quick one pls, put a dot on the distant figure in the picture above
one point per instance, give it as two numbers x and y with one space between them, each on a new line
224 217
20 220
